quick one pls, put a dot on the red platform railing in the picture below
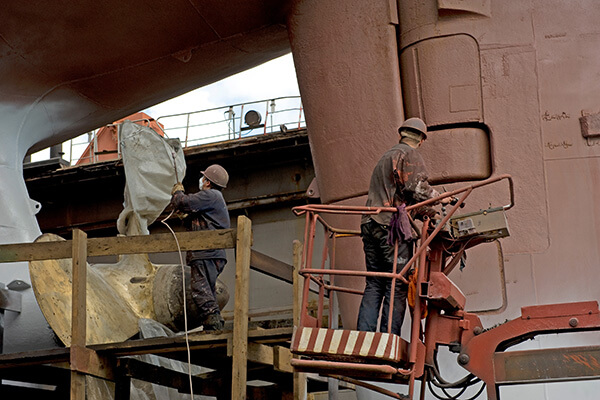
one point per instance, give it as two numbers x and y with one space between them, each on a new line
428 233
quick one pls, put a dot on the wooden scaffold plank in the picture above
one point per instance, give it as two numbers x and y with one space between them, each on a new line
143 244
299 377
240 318
78 311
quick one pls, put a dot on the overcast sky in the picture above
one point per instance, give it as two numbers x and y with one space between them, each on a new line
272 80
276 78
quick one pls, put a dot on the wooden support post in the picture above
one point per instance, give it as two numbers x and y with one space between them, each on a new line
240 316
78 310
299 377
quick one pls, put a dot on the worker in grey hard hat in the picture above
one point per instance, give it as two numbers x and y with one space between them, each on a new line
398 180
216 175
205 210
413 128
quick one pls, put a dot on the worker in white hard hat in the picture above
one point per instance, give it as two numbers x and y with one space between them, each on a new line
206 210
399 179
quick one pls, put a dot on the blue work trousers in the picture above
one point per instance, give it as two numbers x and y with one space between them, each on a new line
204 280
379 256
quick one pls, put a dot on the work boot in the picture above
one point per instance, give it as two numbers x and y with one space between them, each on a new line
213 322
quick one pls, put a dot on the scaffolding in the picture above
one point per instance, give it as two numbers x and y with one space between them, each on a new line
248 354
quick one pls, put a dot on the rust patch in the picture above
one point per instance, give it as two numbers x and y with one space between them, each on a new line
588 362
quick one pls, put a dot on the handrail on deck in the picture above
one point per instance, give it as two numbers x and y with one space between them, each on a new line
209 126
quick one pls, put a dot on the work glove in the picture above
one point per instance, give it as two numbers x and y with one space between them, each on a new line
180 215
178 187
446 200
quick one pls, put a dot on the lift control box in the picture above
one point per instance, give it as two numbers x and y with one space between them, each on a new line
490 223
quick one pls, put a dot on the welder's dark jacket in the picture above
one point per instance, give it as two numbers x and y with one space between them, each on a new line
399 178
206 211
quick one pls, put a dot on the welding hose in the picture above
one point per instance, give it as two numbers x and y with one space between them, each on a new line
185 318
442 383
462 384
456 396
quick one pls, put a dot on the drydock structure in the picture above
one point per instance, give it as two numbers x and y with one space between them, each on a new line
267 330
505 88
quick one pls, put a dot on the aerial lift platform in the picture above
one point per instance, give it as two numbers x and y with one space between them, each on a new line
356 356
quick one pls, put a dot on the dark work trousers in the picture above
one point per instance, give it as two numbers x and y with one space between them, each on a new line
379 256
204 280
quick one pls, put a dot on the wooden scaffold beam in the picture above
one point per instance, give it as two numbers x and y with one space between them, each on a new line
78 311
240 317
103 360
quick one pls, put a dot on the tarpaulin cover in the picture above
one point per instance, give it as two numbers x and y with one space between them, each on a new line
153 164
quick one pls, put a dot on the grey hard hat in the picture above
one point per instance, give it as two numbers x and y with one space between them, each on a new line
217 175
414 125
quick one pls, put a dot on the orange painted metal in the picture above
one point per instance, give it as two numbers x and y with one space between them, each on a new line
442 290
105 145
477 353
547 365
447 324
371 371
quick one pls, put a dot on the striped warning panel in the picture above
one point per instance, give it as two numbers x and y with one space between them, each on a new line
338 342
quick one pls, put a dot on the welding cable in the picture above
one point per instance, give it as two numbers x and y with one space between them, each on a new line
467 381
462 384
470 382
185 319
478 392
185 316
447 395
444 383
463 390
465 385
457 396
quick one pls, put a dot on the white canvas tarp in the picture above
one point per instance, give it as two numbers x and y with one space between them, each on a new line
153 164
